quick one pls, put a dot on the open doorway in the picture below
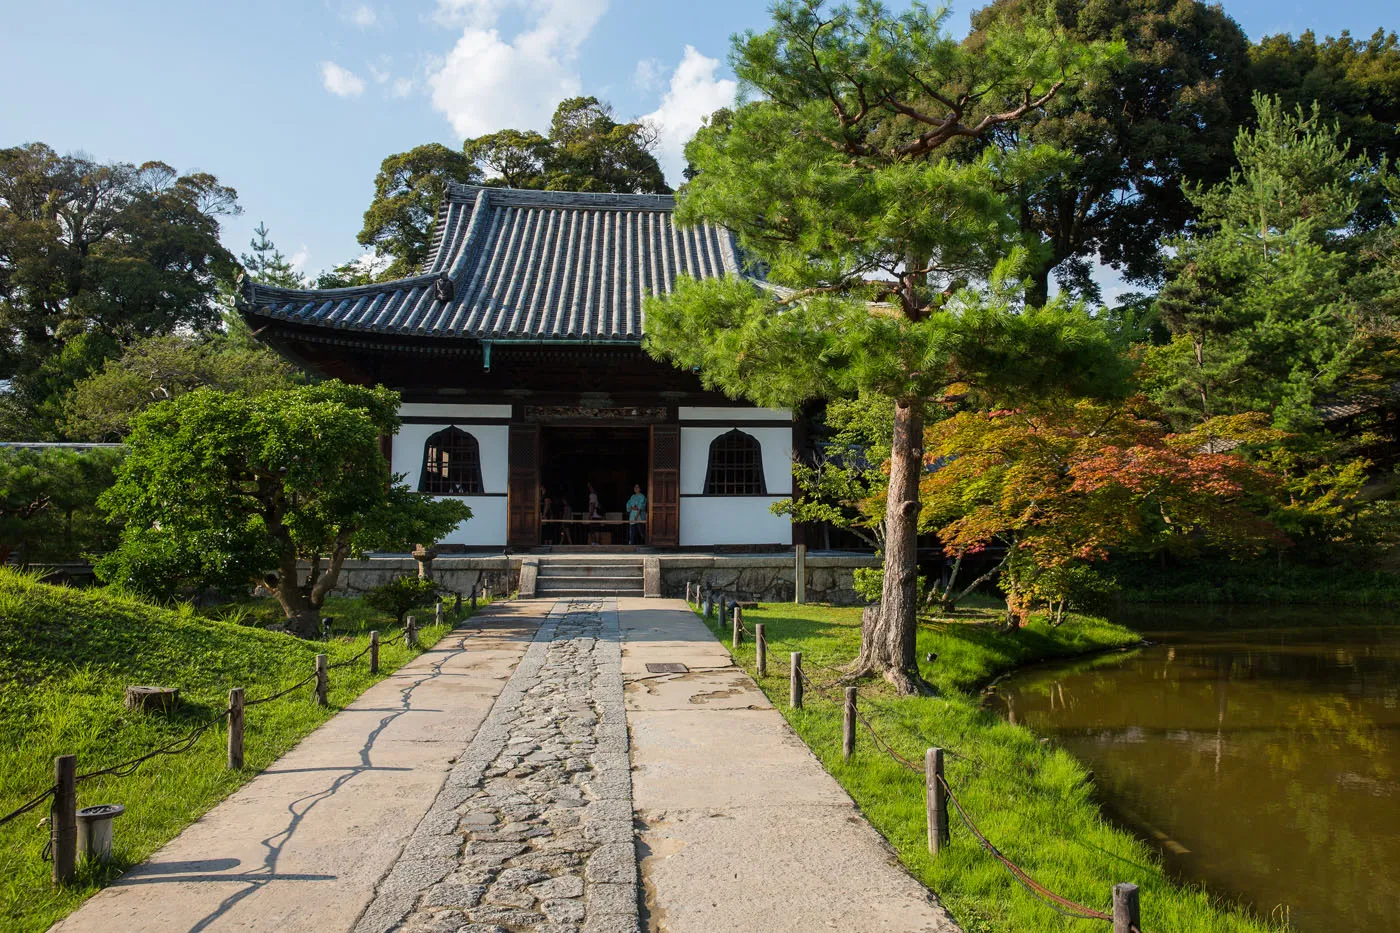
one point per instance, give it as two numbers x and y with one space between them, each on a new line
612 459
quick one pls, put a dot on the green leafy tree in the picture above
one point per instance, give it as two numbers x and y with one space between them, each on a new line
101 407
1166 112
363 270
590 151
510 158
92 257
407 192
1262 304
48 502
266 263
402 595
232 490
1356 82
832 178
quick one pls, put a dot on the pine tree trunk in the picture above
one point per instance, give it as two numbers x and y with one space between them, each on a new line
887 632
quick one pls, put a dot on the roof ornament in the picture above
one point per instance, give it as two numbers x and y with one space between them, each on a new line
443 289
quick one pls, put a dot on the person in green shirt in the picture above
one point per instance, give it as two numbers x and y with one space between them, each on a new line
636 516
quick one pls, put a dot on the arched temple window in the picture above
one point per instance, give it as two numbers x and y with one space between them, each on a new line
451 464
736 466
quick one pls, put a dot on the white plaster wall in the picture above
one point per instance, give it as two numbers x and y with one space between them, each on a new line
777 458
732 520
734 414
487 525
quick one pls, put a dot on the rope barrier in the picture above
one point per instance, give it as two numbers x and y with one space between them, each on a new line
177 747
348 661
26 807
1060 904
277 696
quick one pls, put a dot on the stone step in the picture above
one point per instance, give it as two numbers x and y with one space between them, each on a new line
572 569
561 592
580 581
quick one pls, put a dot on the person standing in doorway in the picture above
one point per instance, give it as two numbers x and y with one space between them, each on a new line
636 516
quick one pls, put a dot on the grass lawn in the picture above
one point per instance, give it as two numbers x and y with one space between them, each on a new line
66 657
1031 800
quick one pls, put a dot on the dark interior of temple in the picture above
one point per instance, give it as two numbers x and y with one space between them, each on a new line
613 459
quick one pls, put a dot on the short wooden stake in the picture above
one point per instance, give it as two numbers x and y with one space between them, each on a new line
1126 918
437 612
738 626
935 801
795 681
799 575
473 597
374 652
63 818
410 631
323 681
457 606
760 647
235 728
848 726
708 604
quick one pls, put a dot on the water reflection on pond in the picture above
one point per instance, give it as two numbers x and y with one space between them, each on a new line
1264 759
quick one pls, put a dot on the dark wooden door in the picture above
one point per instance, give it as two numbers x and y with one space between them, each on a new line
523 488
664 506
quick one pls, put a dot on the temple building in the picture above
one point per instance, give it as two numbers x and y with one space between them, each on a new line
518 355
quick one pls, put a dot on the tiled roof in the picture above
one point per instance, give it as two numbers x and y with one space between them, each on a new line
524 265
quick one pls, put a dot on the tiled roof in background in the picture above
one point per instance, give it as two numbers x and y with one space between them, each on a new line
524 265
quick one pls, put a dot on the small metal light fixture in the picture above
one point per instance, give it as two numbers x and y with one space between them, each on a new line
95 830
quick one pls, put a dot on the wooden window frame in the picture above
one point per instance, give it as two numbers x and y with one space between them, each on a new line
462 470
735 466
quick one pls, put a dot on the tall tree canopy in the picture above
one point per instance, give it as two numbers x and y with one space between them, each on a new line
1355 81
1266 303
1164 113
586 150
92 257
407 192
833 178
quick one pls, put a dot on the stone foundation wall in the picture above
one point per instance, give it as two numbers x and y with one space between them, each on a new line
767 578
458 574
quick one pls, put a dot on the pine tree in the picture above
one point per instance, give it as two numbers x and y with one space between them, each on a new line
833 179
267 265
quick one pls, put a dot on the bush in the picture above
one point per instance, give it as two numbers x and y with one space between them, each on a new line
401 595
869 581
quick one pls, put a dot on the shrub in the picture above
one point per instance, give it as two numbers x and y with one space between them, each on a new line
401 595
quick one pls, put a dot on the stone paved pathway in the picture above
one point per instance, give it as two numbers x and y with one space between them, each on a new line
533 828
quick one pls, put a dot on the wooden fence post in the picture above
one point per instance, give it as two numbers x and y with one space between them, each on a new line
760 646
799 575
848 726
63 818
235 728
738 626
1126 918
374 652
410 631
935 801
709 601
322 681
473 597
437 612
795 681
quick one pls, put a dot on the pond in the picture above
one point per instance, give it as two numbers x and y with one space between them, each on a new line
1259 749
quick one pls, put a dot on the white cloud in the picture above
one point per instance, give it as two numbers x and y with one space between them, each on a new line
694 94
402 87
362 15
341 82
298 259
648 75
488 82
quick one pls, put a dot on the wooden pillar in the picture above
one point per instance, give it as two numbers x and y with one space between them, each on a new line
760 645
799 575
235 728
374 652
322 681
848 726
1126 917
795 681
63 818
935 801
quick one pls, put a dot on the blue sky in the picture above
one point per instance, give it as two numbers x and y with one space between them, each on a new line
295 104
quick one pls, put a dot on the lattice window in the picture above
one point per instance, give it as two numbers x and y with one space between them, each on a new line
736 466
451 464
